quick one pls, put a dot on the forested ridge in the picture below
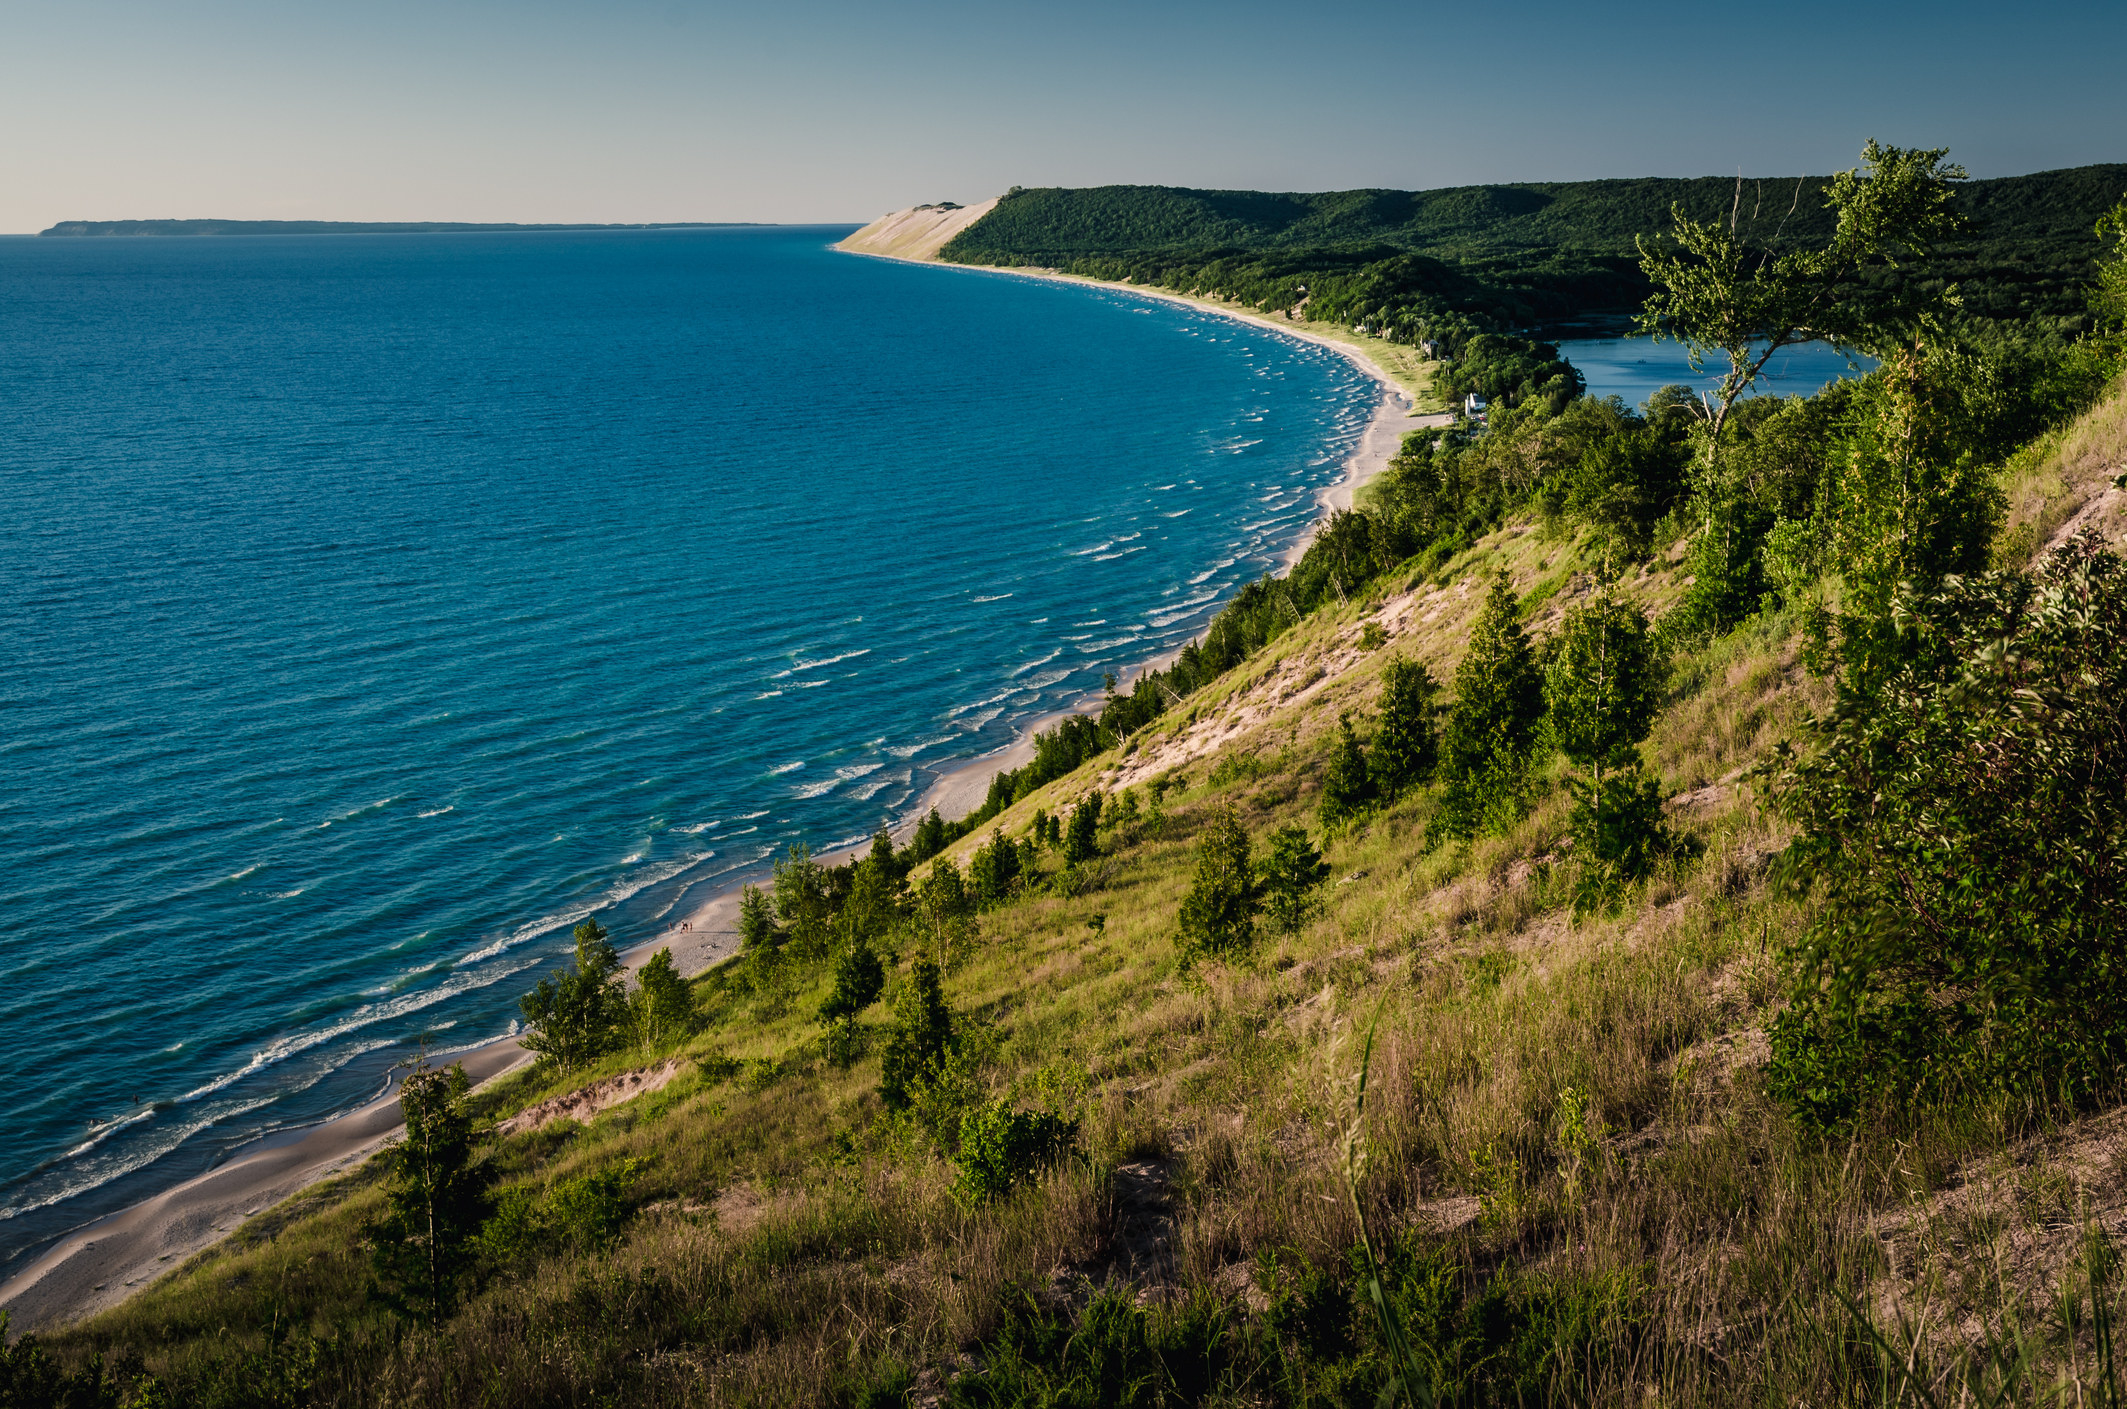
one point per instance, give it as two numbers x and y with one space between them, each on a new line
1511 256
1634 916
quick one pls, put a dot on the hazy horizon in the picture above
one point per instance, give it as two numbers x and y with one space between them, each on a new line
829 112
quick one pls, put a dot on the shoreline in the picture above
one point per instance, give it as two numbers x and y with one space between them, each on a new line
98 1265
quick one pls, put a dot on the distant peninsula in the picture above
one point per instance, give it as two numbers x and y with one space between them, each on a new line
344 227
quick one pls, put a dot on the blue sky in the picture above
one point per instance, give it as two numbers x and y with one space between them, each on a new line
833 110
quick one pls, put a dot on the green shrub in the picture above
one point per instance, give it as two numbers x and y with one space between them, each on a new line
843 1042
1966 830
589 1211
1001 1148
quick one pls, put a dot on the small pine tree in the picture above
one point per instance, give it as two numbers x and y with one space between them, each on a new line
1404 751
859 979
993 869
1490 737
1348 787
1292 877
1081 838
1218 915
435 1198
1604 685
922 1035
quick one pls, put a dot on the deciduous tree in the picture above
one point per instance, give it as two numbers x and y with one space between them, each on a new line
435 1197
575 1016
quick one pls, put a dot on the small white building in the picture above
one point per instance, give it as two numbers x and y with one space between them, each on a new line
1473 406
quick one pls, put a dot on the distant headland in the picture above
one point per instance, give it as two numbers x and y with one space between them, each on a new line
345 227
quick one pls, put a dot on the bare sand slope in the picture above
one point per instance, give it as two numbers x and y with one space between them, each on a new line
916 233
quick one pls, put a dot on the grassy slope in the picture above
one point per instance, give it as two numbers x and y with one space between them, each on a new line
789 1232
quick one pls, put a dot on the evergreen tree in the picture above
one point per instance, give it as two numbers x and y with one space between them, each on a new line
757 926
1404 751
1292 879
435 1197
1348 786
1081 838
574 1017
860 976
992 870
663 1005
929 840
1218 914
873 904
1491 733
922 1035
1603 687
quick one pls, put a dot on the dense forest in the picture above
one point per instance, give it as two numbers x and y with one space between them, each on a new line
1419 264
1634 916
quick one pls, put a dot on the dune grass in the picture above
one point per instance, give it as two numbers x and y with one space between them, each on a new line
1567 1122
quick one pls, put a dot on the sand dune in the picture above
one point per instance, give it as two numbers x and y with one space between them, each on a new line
916 233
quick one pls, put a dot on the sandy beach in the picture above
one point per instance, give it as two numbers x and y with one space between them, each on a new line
99 1265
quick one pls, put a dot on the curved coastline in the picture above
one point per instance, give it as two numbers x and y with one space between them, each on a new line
100 1264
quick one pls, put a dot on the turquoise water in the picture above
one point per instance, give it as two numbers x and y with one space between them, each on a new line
378 606
1633 369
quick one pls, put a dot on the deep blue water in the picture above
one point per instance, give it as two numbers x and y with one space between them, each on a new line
376 607
1633 369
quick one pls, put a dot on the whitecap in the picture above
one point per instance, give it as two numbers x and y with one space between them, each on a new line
831 660
694 828
783 768
1033 663
441 810
911 750
998 598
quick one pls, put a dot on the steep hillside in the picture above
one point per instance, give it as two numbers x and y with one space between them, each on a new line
1576 1181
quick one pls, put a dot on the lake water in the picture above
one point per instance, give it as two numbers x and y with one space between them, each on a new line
1633 369
378 606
